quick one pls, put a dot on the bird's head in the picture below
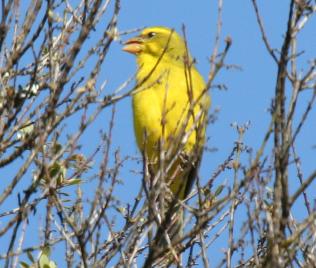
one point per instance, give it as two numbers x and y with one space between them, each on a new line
155 41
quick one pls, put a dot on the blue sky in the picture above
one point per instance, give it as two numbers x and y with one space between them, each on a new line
250 88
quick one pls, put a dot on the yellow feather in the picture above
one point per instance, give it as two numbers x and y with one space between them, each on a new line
170 102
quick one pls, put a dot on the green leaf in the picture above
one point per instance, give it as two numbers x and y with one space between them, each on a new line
72 181
219 190
44 261
24 264
56 148
30 256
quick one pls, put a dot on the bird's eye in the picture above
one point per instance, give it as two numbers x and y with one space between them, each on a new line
151 34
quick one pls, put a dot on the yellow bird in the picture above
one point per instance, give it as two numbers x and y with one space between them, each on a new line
170 105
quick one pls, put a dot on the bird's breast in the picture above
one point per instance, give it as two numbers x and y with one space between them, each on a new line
147 118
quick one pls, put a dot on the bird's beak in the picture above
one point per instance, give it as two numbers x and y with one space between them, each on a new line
133 45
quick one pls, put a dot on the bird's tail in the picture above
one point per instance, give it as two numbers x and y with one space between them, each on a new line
165 248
